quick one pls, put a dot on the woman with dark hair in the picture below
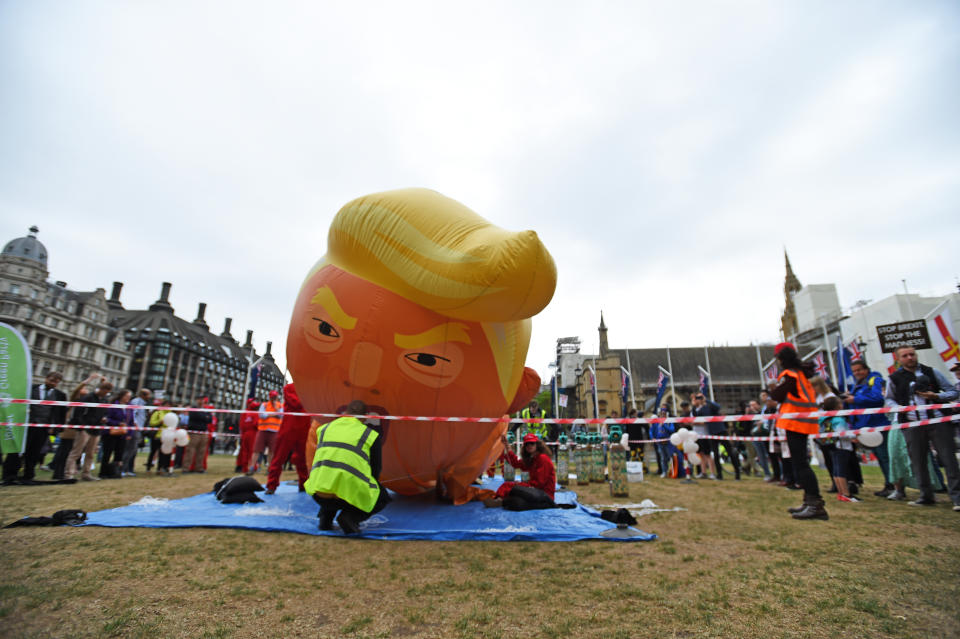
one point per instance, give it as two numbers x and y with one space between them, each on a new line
796 395
535 459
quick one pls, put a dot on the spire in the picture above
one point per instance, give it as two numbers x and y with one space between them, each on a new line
603 337
791 285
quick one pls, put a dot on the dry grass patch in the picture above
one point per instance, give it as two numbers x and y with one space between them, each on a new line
732 565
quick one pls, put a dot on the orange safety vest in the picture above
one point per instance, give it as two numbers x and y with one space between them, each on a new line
272 422
804 402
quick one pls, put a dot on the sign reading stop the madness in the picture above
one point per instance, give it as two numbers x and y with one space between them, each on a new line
910 333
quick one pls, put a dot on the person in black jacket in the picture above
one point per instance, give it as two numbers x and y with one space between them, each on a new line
197 422
36 437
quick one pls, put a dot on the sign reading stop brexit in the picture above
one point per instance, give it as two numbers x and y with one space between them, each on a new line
14 384
912 333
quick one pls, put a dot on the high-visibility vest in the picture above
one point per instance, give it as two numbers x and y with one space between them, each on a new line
271 422
341 465
804 401
542 430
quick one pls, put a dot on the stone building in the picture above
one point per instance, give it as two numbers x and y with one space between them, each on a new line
67 331
184 360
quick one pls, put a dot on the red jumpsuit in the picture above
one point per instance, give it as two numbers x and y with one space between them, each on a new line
542 474
291 440
248 434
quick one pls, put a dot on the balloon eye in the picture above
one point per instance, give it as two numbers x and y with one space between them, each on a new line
425 359
326 328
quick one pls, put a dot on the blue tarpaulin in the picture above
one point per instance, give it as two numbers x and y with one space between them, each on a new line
418 517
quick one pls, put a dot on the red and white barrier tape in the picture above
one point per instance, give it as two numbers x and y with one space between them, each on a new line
736 438
126 428
562 421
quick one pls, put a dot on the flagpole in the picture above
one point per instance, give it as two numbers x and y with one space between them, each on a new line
633 396
763 382
706 356
826 343
673 390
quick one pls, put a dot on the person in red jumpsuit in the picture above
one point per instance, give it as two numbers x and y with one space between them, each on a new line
291 441
535 459
248 434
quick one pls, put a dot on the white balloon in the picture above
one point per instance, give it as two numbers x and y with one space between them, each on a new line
684 434
166 448
676 440
167 435
693 436
871 439
170 420
183 438
691 447
693 458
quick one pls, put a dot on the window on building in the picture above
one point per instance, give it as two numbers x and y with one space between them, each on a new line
64 347
14 288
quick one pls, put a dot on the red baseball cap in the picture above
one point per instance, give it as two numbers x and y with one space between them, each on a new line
273 394
530 437
782 345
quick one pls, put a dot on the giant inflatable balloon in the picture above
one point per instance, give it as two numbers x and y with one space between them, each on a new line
421 307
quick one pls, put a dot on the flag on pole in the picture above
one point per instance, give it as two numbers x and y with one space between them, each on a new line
771 372
939 327
845 378
855 352
624 385
890 362
662 381
820 365
704 382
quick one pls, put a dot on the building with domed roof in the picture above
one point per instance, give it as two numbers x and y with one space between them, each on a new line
67 331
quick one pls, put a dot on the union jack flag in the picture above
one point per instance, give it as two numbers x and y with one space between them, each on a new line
662 380
855 352
704 383
772 373
624 381
820 365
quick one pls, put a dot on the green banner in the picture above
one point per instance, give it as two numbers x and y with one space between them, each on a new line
14 384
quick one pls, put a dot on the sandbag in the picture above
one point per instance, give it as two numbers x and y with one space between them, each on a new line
237 490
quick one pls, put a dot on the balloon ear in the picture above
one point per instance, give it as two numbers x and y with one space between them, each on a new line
528 389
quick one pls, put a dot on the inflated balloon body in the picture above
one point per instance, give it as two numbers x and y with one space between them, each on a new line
421 307
182 437
170 420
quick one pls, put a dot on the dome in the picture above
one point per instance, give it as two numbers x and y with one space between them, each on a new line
28 247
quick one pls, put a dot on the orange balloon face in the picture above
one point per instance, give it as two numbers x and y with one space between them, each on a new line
350 339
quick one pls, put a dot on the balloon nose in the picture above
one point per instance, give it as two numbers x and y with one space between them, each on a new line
365 364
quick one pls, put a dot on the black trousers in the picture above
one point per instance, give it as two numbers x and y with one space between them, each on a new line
918 442
803 474
331 505
111 447
36 437
59 462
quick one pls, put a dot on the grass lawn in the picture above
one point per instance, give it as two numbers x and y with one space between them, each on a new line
734 564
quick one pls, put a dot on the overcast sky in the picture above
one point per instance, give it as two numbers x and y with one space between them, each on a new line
666 153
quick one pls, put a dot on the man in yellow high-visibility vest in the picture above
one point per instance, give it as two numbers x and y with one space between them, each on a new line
345 475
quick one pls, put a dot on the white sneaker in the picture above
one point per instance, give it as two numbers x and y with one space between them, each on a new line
896 495
956 508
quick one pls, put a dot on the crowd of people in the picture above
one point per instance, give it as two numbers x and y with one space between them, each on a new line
923 457
106 439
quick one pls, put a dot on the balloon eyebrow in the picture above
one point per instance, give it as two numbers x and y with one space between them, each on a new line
325 298
449 332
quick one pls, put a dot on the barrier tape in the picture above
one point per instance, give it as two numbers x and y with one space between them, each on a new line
736 438
105 427
530 420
